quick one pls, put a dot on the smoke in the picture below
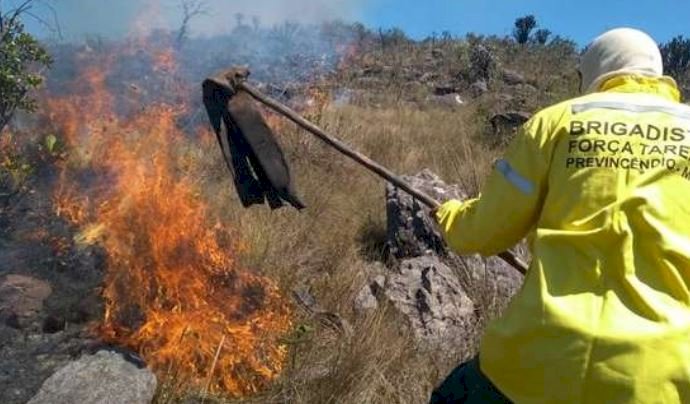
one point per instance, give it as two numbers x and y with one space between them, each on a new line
271 12
78 18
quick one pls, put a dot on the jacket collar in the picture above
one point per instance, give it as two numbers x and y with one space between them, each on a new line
664 87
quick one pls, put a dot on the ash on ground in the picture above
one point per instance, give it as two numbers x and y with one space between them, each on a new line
49 301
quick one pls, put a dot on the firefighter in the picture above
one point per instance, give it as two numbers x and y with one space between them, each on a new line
600 185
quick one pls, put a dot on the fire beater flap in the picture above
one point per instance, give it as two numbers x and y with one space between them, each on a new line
259 168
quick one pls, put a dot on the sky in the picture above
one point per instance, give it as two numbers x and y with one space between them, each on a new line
119 17
580 20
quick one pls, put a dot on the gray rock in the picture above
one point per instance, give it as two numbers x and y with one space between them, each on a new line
429 294
410 230
21 299
378 284
450 101
105 377
511 77
446 298
39 293
512 117
27 359
365 301
479 88
367 298
505 124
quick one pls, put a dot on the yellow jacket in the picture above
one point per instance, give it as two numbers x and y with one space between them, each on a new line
601 184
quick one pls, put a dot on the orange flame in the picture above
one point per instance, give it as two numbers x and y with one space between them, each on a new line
174 291
165 61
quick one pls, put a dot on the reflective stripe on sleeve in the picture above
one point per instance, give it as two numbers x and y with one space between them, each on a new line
679 111
523 184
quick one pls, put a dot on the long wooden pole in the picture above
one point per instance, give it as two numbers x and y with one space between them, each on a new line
370 164
340 146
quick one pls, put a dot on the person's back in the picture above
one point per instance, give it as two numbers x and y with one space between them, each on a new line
601 182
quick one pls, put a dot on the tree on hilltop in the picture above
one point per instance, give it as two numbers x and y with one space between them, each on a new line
541 36
676 56
523 28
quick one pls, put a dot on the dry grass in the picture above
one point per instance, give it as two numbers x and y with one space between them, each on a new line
329 247
332 247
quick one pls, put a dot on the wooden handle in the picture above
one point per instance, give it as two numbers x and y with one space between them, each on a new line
370 164
339 145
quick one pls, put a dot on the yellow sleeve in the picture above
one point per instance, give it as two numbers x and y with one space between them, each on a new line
510 202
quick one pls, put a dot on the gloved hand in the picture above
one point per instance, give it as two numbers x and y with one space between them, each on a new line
447 209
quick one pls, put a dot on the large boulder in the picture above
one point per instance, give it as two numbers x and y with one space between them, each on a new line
445 297
105 377
411 232
429 293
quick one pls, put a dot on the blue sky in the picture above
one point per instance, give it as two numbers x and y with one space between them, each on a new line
580 20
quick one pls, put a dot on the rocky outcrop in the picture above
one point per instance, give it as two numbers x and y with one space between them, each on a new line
105 377
411 232
428 292
445 298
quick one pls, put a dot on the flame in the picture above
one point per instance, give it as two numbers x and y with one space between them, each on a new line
347 54
174 291
165 61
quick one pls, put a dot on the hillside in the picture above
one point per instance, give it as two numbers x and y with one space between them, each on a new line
120 216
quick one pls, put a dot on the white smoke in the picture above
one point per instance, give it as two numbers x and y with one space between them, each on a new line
270 12
122 17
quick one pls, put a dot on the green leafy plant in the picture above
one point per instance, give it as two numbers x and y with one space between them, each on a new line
22 58
50 143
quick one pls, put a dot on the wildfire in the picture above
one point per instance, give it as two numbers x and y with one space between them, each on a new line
173 290
165 61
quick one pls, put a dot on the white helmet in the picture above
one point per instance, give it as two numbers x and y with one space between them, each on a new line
616 52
